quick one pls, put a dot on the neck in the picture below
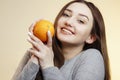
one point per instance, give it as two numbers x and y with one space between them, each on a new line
71 51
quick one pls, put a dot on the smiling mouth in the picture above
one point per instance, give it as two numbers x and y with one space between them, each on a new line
67 31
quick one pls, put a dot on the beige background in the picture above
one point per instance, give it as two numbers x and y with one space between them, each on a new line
17 15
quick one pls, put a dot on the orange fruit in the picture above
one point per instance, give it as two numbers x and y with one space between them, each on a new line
41 28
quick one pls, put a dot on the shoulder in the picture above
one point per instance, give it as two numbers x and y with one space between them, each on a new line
90 59
92 56
92 53
90 63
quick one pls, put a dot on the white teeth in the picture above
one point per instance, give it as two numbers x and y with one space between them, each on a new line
67 31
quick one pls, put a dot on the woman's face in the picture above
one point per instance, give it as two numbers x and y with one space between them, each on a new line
75 24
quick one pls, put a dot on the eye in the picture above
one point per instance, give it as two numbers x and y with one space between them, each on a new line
65 15
81 21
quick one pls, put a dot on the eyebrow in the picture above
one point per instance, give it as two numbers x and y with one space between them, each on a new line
79 13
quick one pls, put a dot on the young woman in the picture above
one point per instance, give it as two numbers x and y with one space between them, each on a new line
78 50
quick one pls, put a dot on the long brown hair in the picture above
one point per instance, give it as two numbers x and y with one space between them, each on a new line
98 30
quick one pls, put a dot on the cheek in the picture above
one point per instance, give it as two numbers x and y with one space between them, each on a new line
83 33
61 21
58 25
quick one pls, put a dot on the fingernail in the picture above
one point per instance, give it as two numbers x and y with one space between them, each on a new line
49 32
28 39
33 23
29 33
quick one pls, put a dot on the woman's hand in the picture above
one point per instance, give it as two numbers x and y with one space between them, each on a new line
34 59
42 51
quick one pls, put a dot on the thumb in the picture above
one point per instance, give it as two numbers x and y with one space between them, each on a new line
49 43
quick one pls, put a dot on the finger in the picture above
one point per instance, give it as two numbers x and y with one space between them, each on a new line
31 28
33 48
34 44
49 43
35 38
34 52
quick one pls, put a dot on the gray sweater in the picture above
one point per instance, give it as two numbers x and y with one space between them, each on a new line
88 65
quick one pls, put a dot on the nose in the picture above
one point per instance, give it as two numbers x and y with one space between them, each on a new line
69 22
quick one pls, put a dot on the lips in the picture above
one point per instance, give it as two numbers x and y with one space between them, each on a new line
67 31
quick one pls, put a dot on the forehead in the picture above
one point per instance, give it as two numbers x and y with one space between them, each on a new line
80 8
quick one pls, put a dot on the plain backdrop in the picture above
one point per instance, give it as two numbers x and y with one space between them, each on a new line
17 15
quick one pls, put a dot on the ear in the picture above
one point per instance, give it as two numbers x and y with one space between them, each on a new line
90 39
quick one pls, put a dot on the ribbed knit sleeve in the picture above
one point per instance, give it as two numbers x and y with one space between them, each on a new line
52 73
29 71
90 66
